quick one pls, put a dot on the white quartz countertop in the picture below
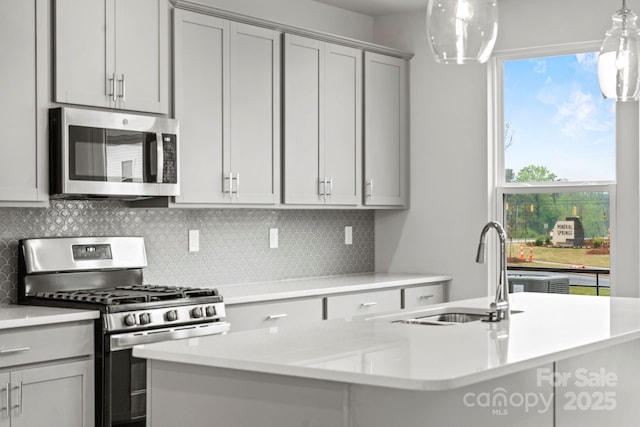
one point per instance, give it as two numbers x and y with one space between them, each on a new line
416 357
18 316
319 286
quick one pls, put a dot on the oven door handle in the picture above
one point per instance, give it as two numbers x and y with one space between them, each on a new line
128 340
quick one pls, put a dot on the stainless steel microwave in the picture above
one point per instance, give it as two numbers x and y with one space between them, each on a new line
107 154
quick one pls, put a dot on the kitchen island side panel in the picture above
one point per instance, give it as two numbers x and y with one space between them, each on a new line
193 396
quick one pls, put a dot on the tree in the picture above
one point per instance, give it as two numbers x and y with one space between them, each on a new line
533 173
509 176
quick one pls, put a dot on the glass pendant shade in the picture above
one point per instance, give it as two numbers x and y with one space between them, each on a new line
462 31
618 59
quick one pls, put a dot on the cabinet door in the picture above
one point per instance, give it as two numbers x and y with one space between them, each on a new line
83 53
303 120
5 386
385 133
274 313
141 63
200 94
362 303
24 102
421 296
57 396
343 124
254 113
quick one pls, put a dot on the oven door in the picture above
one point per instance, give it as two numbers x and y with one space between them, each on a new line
128 385
125 382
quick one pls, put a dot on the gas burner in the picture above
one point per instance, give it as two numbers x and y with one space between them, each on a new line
129 294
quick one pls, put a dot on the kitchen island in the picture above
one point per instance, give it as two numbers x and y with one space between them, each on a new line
562 360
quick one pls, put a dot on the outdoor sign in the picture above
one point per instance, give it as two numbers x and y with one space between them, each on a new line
563 231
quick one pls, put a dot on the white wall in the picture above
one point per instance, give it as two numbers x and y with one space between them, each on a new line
450 179
304 14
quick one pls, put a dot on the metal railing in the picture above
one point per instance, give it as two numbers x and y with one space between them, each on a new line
597 272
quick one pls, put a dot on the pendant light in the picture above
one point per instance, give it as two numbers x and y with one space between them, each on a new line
462 31
619 56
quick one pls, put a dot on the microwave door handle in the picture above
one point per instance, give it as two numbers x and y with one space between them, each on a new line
160 157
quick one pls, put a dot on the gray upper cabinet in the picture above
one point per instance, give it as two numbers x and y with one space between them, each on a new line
227 98
322 122
385 130
115 56
23 106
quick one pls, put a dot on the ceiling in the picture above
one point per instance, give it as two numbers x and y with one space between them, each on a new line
378 7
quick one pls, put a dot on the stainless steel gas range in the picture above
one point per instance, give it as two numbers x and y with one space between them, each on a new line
106 274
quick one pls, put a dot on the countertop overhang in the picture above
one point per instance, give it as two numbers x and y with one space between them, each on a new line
19 316
380 353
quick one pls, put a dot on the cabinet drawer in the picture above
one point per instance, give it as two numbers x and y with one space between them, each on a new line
268 314
362 303
423 295
19 346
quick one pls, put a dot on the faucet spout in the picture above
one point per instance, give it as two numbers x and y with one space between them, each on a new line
501 304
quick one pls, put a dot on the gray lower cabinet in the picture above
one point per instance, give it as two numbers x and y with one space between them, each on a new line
292 311
420 296
273 313
47 376
24 103
362 303
227 98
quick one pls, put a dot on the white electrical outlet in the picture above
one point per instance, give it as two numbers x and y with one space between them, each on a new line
273 238
194 240
348 235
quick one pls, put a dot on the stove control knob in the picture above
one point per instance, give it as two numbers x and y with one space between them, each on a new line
129 320
196 313
145 318
171 315
210 311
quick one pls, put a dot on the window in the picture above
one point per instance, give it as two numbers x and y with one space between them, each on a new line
556 169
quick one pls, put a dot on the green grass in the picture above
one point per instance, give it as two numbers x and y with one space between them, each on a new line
588 290
544 256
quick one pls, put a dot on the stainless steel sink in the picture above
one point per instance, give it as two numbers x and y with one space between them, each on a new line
448 317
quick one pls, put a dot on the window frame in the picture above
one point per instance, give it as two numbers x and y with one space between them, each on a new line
498 186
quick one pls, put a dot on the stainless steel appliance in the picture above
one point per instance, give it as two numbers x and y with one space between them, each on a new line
106 274
107 154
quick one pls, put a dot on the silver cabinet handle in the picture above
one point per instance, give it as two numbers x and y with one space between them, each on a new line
322 187
330 186
230 180
6 398
13 350
426 296
237 178
112 85
370 188
123 91
19 404
276 316
368 304
160 156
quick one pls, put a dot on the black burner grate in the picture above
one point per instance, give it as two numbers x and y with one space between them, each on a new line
129 294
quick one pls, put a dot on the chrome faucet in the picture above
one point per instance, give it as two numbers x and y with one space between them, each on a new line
499 308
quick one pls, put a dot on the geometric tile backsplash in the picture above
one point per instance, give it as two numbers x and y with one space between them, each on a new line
234 243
